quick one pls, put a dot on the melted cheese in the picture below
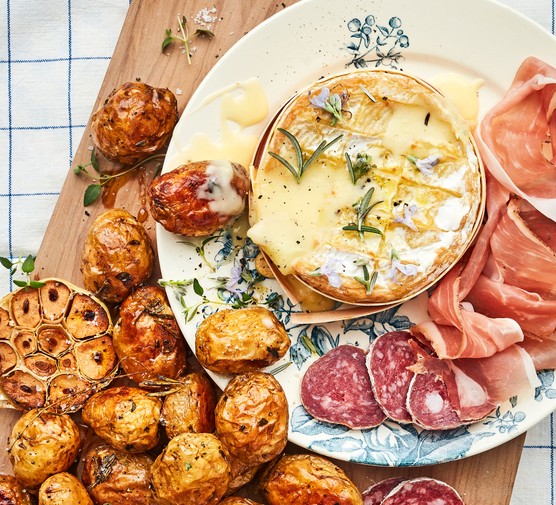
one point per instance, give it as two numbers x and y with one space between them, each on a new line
218 190
242 104
463 93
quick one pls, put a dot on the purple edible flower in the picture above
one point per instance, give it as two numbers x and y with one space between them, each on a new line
408 212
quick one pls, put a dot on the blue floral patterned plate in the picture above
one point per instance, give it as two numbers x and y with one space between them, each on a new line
312 39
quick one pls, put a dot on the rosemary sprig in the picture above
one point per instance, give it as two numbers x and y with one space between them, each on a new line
93 191
302 164
26 265
359 168
362 208
184 38
368 280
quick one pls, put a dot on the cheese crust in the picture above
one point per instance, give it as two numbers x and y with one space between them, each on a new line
388 228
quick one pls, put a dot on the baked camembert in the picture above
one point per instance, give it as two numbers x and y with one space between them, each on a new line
368 187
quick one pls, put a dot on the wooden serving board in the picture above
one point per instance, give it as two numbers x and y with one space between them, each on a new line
485 479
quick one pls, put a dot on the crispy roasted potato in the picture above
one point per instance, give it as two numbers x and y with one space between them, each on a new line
251 418
147 337
134 122
300 479
117 255
241 474
12 492
240 340
190 409
117 477
63 489
191 469
199 198
42 444
237 500
125 417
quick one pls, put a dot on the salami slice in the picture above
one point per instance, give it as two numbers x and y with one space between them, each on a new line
423 491
388 360
429 405
336 388
374 494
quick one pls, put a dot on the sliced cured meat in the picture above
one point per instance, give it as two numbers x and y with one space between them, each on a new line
428 403
388 360
375 493
507 373
535 270
535 315
524 118
336 388
423 491
543 354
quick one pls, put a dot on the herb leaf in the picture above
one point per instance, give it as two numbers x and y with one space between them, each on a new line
362 208
359 168
368 281
302 165
92 192
26 265
184 38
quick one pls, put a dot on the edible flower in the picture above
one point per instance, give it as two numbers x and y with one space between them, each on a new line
332 103
425 165
332 270
404 268
233 282
407 219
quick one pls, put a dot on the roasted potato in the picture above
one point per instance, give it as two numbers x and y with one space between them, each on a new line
117 255
199 198
240 340
117 477
125 417
147 337
63 489
190 409
42 444
300 479
134 122
12 492
191 469
237 500
251 418
241 474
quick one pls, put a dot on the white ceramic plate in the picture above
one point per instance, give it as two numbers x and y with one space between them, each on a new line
477 39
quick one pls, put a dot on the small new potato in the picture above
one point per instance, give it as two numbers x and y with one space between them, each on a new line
117 477
125 417
42 444
147 337
63 489
191 469
241 474
135 121
240 340
117 255
12 492
251 418
237 500
190 409
199 198
300 479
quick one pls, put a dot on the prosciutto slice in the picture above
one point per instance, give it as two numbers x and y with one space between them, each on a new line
512 134
503 292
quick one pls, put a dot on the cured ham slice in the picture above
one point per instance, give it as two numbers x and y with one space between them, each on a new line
336 388
524 118
543 353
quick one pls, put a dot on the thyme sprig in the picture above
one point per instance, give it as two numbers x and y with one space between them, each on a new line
302 164
362 208
359 168
185 39
93 191
26 265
